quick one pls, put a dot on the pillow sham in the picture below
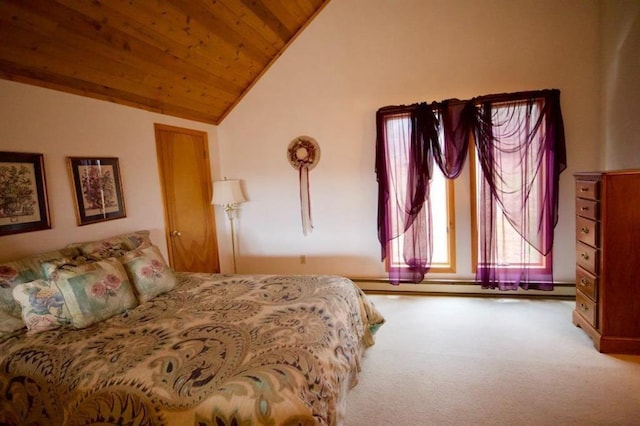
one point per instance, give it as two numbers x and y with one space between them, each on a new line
23 271
9 324
104 249
43 306
67 263
113 246
95 291
149 272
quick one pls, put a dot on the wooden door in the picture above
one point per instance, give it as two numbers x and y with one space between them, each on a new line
185 177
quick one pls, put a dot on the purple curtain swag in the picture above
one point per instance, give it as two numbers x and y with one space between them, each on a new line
520 147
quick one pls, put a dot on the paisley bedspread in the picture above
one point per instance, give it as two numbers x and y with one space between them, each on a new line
215 350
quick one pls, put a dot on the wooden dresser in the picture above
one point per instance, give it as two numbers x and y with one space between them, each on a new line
608 259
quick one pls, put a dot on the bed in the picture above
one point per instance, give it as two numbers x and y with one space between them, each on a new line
209 349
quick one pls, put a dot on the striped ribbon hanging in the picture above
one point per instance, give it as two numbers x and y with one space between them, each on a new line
305 200
303 154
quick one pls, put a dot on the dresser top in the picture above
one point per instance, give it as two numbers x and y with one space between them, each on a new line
597 175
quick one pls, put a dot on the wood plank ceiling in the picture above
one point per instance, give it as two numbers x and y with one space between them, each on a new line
193 59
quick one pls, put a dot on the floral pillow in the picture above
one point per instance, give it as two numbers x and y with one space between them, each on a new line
43 306
95 291
149 272
23 271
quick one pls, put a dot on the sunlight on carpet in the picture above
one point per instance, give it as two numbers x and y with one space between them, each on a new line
441 360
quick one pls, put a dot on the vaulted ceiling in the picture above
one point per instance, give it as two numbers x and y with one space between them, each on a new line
193 59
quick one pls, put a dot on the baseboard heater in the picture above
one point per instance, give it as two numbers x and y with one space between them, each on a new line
562 289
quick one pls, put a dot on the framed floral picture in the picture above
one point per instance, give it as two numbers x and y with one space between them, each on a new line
23 193
97 188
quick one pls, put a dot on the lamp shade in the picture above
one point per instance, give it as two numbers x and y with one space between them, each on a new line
226 192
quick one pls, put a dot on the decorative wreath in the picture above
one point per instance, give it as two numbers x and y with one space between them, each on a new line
303 151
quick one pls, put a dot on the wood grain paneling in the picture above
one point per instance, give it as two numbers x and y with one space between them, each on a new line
193 59
607 289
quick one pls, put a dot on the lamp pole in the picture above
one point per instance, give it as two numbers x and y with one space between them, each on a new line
228 194
229 209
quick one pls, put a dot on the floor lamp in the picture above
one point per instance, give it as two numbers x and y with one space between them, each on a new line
228 193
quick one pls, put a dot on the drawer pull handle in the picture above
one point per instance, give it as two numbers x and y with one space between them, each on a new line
584 230
584 209
583 189
584 307
583 282
585 256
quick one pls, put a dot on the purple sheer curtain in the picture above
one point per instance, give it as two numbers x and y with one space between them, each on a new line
521 151
456 119
403 170
532 141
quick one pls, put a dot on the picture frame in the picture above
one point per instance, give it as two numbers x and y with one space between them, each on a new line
23 193
97 189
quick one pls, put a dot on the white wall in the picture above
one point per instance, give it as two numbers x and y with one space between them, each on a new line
33 119
360 55
620 58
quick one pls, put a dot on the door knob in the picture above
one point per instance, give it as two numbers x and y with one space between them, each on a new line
176 233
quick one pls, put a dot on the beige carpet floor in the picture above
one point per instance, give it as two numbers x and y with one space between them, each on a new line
443 360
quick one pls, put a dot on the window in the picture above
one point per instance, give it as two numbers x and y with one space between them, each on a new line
515 166
440 195
509 242
510 250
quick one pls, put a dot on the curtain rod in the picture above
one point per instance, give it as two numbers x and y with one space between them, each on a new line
478 100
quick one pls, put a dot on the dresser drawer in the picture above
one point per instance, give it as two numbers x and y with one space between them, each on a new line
587 308
587 283
587 208
587 231
587 258
588 189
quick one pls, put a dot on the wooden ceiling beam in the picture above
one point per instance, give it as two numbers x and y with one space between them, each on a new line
179 27
142 25
87 65
188 58
82 66
238 11
226 30
269 18
10 71
79 31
